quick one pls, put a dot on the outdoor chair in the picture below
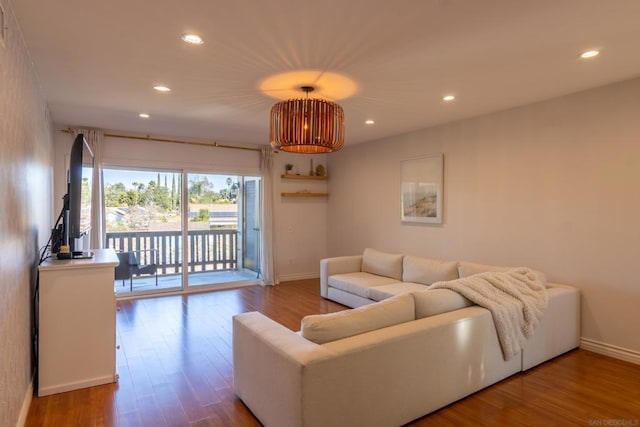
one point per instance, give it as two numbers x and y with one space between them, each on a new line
130 265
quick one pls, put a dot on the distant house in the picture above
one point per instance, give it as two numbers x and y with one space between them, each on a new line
223 219
116 215
223 215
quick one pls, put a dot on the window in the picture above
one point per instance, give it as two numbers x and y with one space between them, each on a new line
150 213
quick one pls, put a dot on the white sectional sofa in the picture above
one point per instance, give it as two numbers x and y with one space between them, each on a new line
389 362
373 276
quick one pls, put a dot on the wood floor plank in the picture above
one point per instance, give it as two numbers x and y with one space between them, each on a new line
170 406
175 366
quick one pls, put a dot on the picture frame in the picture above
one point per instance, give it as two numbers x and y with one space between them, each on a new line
421 189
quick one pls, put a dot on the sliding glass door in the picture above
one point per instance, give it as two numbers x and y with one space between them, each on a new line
150 213
217 226
251 231
144 226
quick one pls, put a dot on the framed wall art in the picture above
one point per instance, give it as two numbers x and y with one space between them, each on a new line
421 189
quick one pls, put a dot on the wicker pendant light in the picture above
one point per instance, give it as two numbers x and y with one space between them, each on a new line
309 126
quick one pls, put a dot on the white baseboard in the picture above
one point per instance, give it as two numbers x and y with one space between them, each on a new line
610 350
300 276
46 390
26 404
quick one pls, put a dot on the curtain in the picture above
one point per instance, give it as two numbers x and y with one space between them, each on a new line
267 249
98 231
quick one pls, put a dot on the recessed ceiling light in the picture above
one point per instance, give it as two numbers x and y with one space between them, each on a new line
589 54
448 98
369 122
192 38
160 88
144 115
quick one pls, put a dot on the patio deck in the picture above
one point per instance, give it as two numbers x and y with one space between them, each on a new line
169 282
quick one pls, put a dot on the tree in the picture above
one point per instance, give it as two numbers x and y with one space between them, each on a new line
201 190
179 192
203 215
162 199
115 195
173 191
196 188
132 198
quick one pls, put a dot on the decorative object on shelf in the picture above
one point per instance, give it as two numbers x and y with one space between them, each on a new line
320 170
311 169
305 177
288 169
304 193
307 126
421 189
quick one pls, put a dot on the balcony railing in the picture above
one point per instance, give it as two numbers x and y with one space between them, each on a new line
209 250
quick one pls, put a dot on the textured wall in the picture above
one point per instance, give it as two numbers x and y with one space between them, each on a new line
552 185
26 153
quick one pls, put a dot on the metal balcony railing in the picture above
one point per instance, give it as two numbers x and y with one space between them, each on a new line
209 250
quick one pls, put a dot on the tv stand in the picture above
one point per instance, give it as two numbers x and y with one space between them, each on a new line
77 323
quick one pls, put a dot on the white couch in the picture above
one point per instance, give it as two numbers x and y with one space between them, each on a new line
385 363
373 276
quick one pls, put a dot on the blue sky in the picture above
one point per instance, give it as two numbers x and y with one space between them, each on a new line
128 177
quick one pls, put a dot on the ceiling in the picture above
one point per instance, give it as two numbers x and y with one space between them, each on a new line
98 60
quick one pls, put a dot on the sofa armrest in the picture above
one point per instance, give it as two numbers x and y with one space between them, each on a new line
268 361
337 265
559 328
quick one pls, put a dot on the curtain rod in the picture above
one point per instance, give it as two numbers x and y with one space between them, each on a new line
175 141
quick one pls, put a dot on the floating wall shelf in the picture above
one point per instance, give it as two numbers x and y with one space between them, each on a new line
317 178
304 194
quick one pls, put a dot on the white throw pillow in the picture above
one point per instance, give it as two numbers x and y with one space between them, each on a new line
427 271
323 328
382 263
437 301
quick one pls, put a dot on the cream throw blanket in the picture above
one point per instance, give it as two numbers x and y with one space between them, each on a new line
516 299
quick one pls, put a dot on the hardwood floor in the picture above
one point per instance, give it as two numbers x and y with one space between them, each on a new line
175 367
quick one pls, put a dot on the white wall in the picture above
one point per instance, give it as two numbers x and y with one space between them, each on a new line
553 185
300 223
26 157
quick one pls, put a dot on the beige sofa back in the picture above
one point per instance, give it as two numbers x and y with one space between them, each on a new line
385 377
466 269
324 328
427 271
382 263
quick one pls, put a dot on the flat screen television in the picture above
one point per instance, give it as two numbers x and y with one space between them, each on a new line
77 202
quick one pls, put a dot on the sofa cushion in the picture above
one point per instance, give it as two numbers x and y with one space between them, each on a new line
427 271
358 283
323 328
382 263
379 293
437 301
466 269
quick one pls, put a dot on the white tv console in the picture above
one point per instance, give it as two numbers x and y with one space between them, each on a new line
77 323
